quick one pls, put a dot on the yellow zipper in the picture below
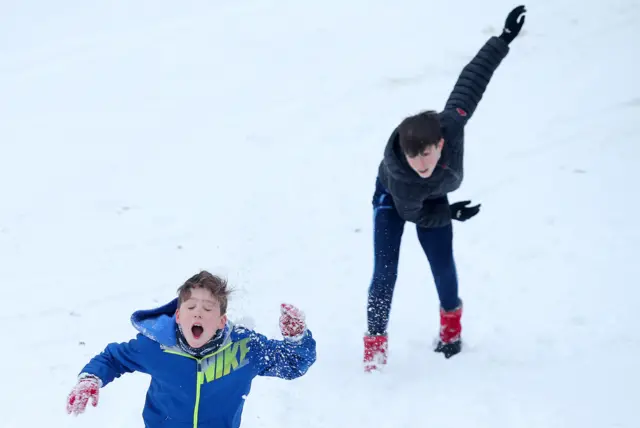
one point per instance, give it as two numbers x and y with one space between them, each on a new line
199 376
199 382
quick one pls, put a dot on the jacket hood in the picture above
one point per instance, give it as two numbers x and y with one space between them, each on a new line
158 324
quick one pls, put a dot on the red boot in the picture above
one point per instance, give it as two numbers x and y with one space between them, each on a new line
450 330
375 352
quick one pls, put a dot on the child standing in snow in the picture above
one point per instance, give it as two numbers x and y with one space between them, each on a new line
201 365
422 163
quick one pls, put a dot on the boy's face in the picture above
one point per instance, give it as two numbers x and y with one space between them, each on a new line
425 163
200 317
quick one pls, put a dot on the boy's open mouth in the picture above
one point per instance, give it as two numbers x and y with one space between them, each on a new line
197 330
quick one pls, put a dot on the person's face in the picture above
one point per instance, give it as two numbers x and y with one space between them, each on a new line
425 163
200 317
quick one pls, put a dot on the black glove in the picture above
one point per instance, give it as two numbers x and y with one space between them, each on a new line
513 24
460 211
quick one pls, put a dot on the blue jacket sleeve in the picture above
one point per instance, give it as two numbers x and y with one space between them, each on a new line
283 358
116 360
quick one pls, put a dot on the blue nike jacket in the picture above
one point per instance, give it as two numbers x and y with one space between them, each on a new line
186 392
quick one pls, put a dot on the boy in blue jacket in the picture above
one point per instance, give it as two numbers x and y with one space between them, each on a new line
201 365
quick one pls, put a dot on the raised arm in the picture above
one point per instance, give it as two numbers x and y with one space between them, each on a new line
476 75
284 358
291 357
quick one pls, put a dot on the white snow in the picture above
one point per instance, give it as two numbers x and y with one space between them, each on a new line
143 141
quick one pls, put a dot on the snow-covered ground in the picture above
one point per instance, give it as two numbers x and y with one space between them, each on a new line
143 141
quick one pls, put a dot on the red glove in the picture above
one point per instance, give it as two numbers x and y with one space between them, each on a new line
88 387
292 322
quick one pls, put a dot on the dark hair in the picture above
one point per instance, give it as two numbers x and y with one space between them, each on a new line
214 284
418 132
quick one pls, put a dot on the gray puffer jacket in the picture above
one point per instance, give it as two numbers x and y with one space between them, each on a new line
424 201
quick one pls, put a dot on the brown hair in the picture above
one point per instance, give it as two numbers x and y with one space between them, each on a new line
214 284
418 132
